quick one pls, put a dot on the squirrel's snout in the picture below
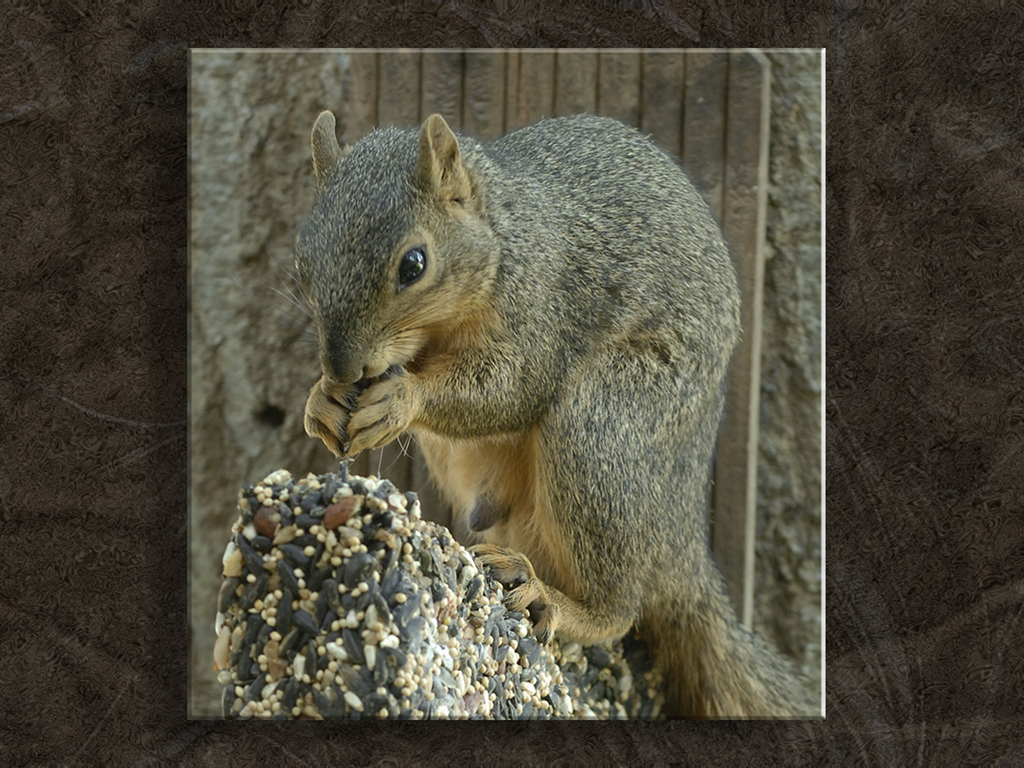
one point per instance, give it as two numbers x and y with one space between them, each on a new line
341 371
343 356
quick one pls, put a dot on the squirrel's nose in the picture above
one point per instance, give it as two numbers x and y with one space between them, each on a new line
341 367
337 377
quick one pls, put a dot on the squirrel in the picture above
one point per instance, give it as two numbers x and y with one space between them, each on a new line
551 316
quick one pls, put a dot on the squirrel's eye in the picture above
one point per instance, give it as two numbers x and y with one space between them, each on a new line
414 263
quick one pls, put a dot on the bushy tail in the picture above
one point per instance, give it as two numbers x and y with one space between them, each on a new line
714 667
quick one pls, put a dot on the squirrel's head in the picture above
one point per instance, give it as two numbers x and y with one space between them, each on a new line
396 255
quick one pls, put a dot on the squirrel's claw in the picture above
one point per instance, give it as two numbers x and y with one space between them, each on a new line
383 411
525 591
327 418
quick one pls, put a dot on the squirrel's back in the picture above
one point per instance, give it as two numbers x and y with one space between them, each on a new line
618 202
614 234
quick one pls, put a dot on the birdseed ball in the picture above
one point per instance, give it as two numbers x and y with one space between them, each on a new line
340 601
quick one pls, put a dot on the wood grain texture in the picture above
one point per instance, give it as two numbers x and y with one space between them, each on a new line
530 87
441 89
704 124
398 95
743 221
484 105
619 84
576 82
361 98
661 110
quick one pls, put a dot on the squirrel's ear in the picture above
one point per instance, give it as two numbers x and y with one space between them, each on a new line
327 153
440 162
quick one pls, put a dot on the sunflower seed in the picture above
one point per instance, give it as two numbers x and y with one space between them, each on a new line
227 596
287 574
295 555
358 567
305 622
283 622
352 646
253 560
305 522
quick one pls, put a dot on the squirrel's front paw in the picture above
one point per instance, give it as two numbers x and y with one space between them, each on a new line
327 415
526 592
383 411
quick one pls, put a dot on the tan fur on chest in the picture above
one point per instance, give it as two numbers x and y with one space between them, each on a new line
510 469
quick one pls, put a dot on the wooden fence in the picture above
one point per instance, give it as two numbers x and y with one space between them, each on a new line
709 108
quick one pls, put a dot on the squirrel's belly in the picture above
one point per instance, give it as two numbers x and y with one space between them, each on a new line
506 475
502 468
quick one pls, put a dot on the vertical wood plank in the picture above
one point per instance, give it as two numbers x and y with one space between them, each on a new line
661 111
483 107
530 92
361 101
398 99
704 123
703 154
575 82
743 222
618 93
442 86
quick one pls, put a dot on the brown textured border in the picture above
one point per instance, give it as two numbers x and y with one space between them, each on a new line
925 412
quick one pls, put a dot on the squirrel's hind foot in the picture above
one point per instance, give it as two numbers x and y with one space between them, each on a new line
525 591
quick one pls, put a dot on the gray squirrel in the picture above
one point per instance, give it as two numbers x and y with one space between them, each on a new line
551 316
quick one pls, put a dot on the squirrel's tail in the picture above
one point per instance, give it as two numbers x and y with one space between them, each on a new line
714 667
